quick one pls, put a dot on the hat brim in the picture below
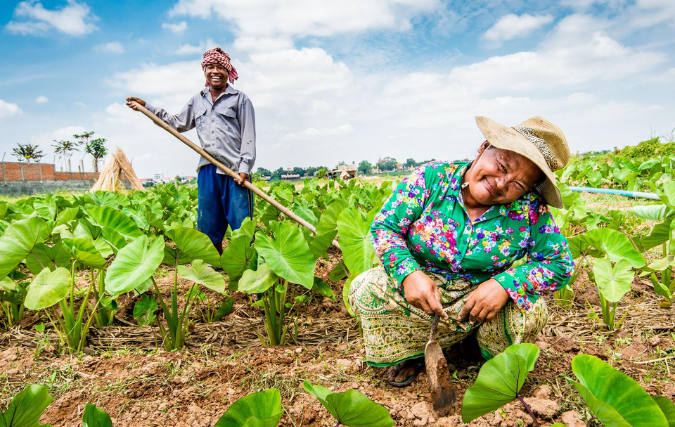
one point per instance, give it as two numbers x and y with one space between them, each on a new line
507 138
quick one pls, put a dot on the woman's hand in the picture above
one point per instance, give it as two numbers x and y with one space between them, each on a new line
130 102
421 292
485 302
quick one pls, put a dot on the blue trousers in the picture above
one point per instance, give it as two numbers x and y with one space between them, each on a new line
221 202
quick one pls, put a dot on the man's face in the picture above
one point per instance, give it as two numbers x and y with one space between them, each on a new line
216 75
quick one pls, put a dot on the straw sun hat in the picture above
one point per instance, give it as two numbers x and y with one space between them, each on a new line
537 139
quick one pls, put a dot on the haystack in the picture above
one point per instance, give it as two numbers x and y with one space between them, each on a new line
116 169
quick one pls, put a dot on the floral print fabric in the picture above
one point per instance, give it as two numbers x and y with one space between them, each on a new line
425 226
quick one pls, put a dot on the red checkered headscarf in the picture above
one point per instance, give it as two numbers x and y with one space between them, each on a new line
218 56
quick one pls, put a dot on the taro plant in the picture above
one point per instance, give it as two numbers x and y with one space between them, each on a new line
12 295
261 409
500 381
193 247
350 408
615 257
615 399
26 408
660 271
283 259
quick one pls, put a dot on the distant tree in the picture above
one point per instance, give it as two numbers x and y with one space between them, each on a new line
387 164
300 171
83 139
264 172
97 149
277 173
64 149
410 162
365 166
27 152
321 173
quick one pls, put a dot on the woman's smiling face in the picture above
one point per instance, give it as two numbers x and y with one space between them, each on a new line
499 176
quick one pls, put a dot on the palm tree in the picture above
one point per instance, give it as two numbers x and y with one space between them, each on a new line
64 149
27 152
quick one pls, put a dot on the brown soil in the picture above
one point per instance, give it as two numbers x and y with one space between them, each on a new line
195 386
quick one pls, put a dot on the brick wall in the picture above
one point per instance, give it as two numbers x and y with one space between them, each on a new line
15 171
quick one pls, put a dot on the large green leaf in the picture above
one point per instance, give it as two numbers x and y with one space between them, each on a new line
67 215
18 241
85 252
649 212
134 264
113 219
499 381
27 407
329 217
48 288
192 245
613 282
201 273
668 409
305 211
351 408
527 351
258 281
239 251
287 254
319 245
261 409
616 245
94 417
357 249
659 235
613 397
43 256
667 193
113 239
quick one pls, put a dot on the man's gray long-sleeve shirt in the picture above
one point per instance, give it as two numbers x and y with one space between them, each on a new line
226 128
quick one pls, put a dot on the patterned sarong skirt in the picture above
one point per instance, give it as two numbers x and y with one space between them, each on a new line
394 331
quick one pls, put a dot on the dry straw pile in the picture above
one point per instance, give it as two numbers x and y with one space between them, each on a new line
116 169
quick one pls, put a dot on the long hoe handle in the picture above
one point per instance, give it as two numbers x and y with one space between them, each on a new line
159 122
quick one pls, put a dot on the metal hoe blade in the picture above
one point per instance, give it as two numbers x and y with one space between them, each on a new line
442 392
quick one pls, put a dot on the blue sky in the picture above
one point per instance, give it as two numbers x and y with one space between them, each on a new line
339 81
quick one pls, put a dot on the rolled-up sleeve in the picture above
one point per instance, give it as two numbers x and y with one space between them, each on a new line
246 117
391 225
549 264
182 122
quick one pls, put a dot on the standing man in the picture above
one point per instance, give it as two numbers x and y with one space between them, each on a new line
225 123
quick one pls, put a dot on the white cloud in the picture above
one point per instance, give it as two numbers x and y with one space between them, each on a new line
188 49
262 44
81 104
313 133
178 28
512 26
8 109
308 102
41 100
300 18
73 19
112 47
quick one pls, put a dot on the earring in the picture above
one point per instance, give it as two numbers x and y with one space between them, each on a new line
464 185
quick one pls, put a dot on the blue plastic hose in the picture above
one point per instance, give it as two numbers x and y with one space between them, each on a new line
617 192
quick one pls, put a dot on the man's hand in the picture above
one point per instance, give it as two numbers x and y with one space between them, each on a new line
131 105
485 302
421 292
243 177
